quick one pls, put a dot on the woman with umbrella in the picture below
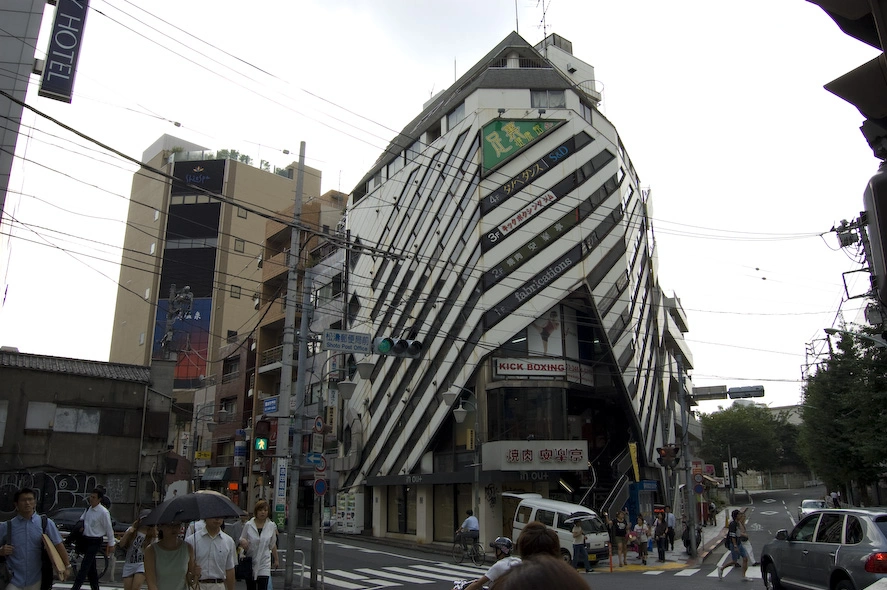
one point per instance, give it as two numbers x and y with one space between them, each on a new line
259 540
169 563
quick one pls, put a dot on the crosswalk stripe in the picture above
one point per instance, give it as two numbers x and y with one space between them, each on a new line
469 572
687 572
654 572
345 574
465 570
419 574
340 583
384 574
433 576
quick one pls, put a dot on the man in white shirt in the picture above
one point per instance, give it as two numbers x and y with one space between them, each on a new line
469 532
96 526
215 555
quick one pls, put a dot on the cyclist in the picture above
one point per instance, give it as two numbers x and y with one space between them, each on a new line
504 561
469 532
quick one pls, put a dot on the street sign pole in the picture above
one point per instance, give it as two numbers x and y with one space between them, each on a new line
688 482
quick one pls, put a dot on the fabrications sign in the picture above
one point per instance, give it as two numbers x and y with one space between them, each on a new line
64 50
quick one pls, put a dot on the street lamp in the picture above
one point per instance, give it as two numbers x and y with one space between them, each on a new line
202 415
459 414
876 341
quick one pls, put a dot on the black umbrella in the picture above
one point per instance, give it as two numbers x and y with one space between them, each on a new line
190 507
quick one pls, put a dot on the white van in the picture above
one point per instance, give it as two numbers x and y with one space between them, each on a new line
554 514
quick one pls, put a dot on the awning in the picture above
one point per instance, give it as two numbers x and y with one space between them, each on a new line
216 474
711 481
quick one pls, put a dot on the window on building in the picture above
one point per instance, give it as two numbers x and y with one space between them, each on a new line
315 392
515 347
433 132
153 248
239 245
227 409
141 341
521 413
235 292
49 416
328 291
413 151
456 115
548 99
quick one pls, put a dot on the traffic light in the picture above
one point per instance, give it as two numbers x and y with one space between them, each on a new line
866 88
874 201
397 347
262 432
668 456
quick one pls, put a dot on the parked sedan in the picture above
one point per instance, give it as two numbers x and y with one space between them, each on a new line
833 549
808 506
66 518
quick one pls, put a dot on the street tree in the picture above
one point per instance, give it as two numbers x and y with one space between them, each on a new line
842 435
746 432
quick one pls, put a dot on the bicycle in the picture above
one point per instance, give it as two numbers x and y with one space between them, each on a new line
76 558
475 551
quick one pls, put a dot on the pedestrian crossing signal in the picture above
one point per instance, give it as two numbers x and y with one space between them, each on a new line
261 444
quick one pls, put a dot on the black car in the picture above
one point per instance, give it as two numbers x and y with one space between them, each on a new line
66 518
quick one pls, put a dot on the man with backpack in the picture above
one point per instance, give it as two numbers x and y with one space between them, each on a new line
733 542
22 544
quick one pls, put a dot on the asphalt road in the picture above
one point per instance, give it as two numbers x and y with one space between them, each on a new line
363 563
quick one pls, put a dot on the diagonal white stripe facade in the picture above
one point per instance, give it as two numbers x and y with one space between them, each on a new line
520 251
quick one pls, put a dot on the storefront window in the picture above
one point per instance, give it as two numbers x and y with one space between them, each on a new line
402 509
527 413
444 513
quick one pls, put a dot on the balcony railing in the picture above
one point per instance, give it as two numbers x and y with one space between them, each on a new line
272 355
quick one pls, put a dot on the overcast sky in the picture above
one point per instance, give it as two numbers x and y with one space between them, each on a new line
720 106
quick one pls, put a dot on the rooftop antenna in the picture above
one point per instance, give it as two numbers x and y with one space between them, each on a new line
544 26
516 19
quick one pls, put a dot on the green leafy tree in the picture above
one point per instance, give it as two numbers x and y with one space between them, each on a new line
749 431
844 404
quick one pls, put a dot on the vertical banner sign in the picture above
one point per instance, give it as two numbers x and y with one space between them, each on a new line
64 49
726 474
280 494
633 451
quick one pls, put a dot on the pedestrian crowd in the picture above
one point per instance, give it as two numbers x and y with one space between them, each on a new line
171 555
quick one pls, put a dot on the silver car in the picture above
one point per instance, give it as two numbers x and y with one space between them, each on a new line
808 506
833 549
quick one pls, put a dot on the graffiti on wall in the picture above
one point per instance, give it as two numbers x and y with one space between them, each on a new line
59 490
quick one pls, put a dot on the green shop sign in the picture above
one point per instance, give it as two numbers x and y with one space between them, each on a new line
503 139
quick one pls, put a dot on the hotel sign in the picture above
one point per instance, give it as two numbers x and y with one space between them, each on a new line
503 139
64 50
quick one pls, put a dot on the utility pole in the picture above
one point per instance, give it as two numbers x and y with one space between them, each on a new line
288 456
688 480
